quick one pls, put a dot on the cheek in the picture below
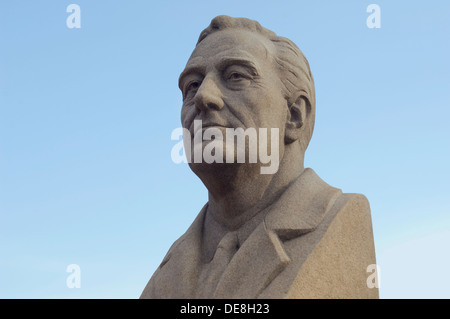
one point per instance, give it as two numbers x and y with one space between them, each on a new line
267 109
187 115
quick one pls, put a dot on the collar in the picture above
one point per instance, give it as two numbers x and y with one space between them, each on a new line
301 208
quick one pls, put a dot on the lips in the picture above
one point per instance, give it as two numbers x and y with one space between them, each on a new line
207 123
212 125
204 126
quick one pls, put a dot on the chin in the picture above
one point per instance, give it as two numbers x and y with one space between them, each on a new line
215 171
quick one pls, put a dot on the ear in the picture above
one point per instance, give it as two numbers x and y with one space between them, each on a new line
298 112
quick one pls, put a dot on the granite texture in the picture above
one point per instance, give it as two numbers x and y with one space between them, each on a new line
287 234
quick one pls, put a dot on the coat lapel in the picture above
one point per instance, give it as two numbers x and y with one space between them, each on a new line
263 257
254 265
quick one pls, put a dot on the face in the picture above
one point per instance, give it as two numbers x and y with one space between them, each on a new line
230 81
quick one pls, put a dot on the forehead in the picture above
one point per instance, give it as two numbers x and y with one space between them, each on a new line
238 44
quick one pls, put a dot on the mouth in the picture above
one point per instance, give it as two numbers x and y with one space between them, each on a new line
212 125
204 126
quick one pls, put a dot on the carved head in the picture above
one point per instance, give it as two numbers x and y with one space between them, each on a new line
243 75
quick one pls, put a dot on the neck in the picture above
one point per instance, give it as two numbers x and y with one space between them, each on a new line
238 192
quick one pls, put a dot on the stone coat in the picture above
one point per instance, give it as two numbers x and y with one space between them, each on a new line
314 242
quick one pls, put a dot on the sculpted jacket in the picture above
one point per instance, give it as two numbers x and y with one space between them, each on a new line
314 242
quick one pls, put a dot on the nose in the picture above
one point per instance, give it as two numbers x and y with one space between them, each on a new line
208 96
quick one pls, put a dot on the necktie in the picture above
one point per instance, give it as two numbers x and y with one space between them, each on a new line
213 271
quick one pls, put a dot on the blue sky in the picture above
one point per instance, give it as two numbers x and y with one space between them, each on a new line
86 116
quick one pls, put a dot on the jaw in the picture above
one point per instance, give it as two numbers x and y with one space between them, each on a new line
221 178
225 177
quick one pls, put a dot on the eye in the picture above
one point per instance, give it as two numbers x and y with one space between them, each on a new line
238 77
191 87
235 76
194 85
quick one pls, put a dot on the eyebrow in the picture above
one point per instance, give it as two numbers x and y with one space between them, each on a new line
223 63
195 68
227 61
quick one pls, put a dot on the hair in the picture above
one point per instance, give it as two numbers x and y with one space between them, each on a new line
293 67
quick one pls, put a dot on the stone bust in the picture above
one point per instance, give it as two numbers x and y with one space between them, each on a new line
282 234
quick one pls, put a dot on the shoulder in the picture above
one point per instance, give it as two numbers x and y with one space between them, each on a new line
351 201
351 214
